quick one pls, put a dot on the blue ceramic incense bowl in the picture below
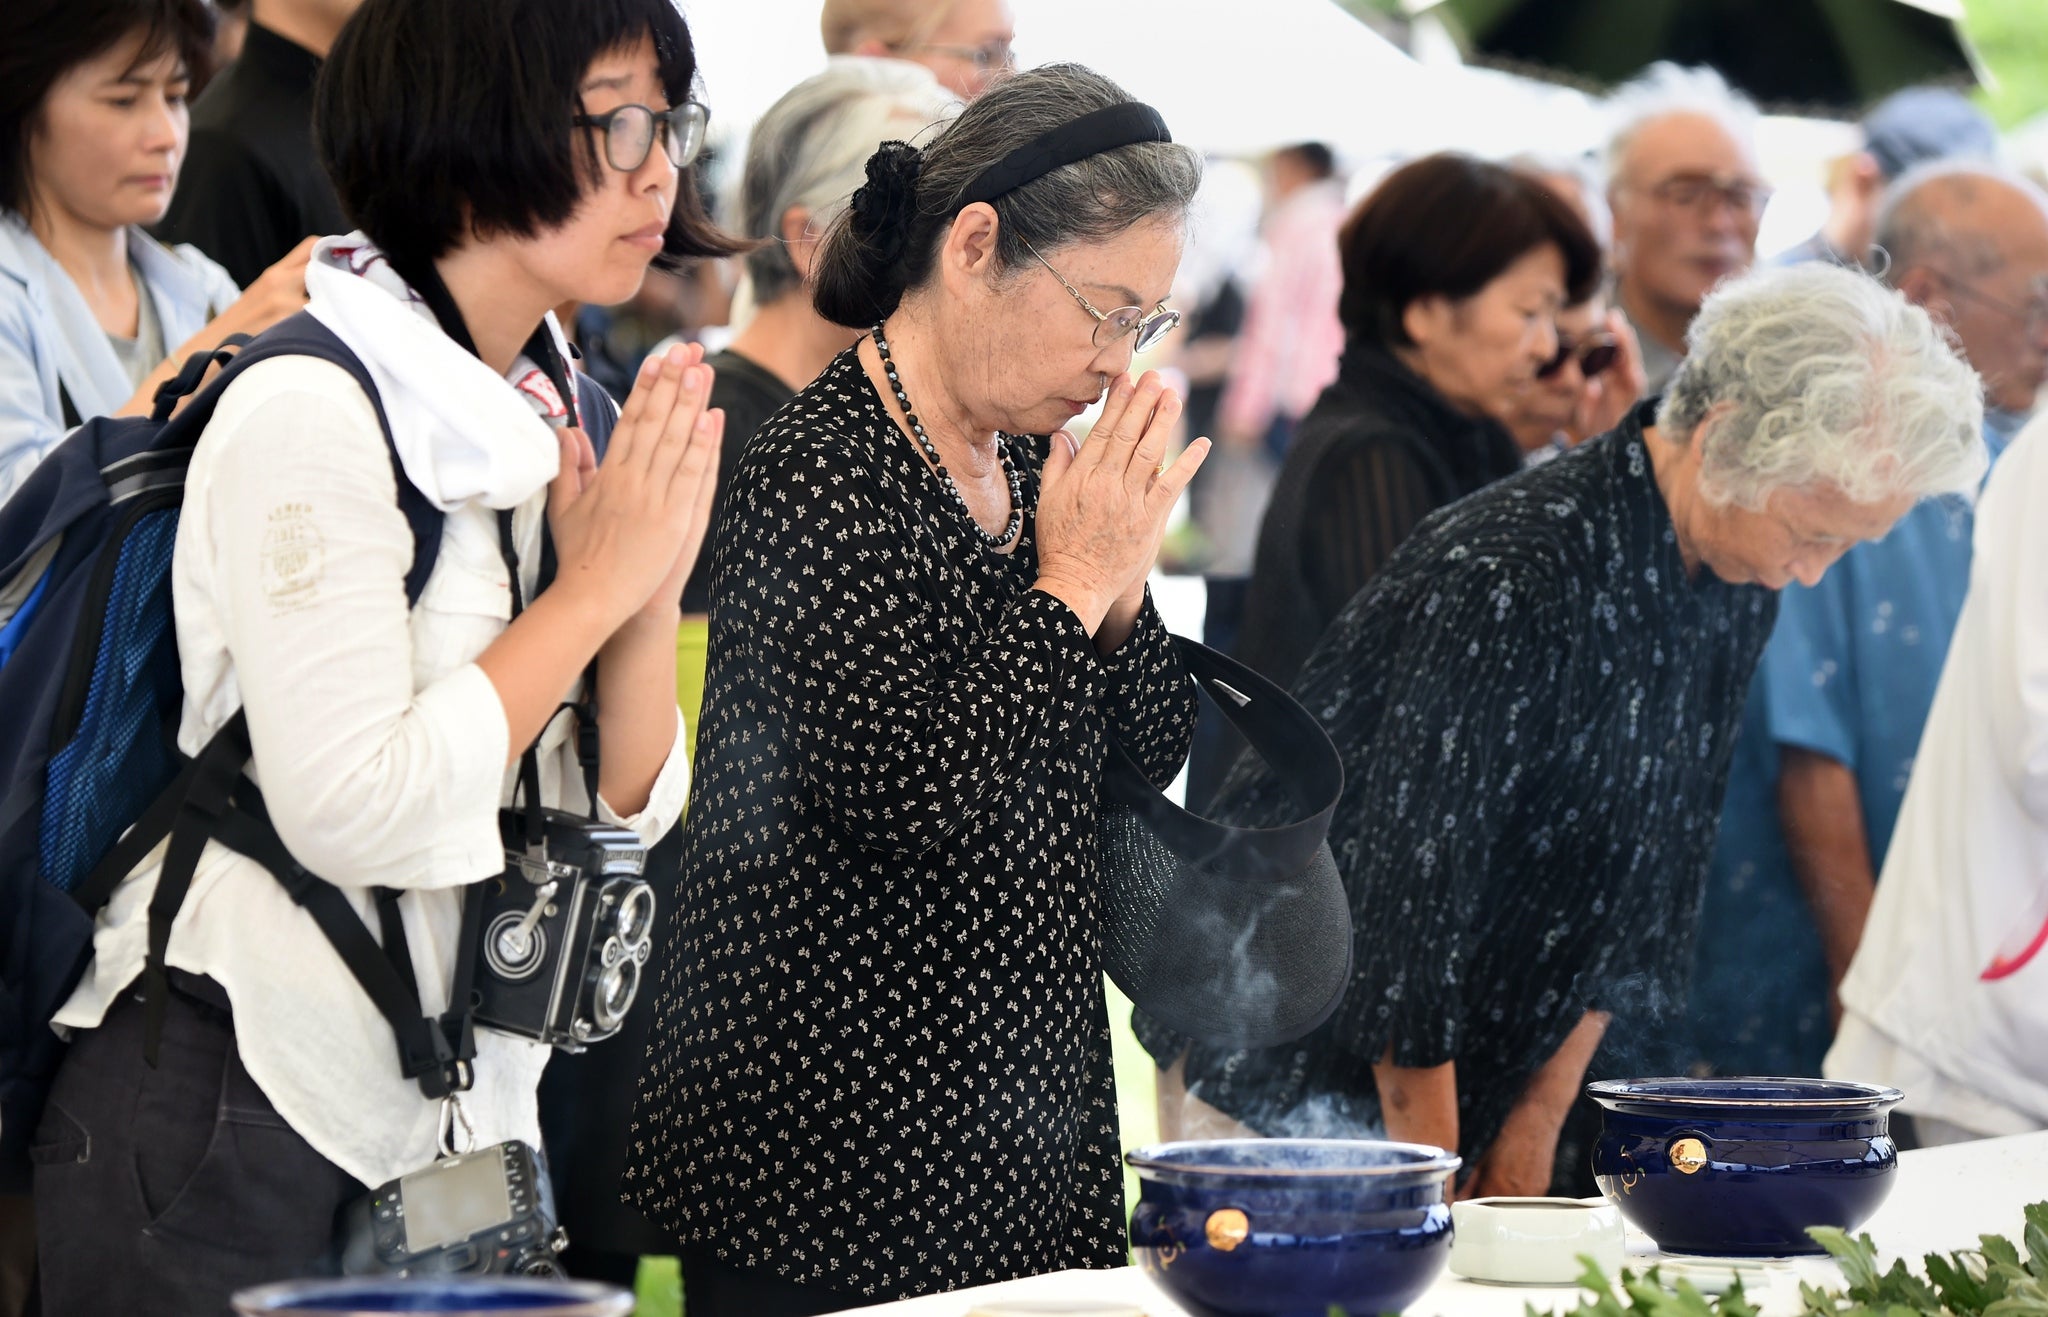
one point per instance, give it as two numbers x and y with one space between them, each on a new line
1741 1167
1292 1227
487 1296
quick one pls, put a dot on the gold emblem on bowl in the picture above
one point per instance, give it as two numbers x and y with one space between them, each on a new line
1688 1155
1228 1228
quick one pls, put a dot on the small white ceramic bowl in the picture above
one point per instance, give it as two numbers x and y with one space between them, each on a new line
1534 1241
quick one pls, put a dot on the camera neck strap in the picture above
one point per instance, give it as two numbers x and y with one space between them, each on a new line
540 348
585 709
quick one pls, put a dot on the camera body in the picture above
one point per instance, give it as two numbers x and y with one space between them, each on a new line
567 929
485 1212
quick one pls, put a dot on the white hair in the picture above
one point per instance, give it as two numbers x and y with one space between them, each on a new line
1912 226
1814 376
1665 89
1588 184
812 146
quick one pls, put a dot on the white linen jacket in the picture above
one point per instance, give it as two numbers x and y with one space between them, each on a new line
379 743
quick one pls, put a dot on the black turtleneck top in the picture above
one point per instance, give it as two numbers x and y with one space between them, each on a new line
1380 450
252 186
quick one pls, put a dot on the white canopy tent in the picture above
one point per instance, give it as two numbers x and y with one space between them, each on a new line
1232 77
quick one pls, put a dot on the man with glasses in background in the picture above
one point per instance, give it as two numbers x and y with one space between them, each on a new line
965 43
1835 713
1686 196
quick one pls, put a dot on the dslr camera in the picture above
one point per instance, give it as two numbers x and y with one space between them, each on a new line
485 1212
567 929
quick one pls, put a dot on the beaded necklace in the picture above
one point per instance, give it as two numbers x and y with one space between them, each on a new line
931 452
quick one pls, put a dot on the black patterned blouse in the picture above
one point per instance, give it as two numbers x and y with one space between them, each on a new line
881 1058
1535 708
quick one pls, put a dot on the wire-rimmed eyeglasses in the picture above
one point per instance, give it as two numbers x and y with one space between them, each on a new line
629 133
2033 316
1111 326
986 58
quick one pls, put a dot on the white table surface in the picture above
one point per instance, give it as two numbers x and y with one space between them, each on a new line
1944 1199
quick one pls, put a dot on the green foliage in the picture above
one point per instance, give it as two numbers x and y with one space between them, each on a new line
2013 42
660 1289
1997 1279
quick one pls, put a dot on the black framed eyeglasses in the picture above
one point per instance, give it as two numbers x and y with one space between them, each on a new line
629 133
1112 326
1699 193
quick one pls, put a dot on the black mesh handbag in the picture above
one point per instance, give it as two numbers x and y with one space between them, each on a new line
1236 936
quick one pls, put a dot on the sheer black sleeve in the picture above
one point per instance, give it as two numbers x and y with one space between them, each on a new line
1362 504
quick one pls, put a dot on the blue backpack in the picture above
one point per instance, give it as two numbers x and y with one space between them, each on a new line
90 693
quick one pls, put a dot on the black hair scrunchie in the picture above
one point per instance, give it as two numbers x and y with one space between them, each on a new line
885 206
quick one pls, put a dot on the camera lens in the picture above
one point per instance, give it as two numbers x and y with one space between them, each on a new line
511 949
615 990
636 914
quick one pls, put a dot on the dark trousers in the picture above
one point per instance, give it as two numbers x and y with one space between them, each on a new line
713 1289
159 1192
17 1255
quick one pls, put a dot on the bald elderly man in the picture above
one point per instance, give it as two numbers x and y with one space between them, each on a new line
1687 197
965 43
1835 713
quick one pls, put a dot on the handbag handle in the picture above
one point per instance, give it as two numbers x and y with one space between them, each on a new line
1284 734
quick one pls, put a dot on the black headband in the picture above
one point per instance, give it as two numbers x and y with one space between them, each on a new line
1091 134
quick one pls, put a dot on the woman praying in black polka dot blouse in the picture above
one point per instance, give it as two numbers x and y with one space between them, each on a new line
881 1064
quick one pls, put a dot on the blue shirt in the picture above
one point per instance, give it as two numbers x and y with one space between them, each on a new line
51 345
1850 673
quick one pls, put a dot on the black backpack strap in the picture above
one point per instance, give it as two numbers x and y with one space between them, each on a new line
186 382
436 1052
306 335
391 934
213 774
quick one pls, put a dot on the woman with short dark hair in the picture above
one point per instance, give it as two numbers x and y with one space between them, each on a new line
94 313
882 1061
501 159
1454 273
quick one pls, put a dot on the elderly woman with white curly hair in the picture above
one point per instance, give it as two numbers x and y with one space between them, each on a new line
1536 698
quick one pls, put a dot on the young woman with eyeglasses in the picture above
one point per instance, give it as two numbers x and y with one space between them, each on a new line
500 159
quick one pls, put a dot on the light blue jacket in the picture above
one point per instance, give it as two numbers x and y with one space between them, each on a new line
48 334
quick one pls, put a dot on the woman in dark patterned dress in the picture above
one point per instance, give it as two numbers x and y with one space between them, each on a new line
1536 699
881 1064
